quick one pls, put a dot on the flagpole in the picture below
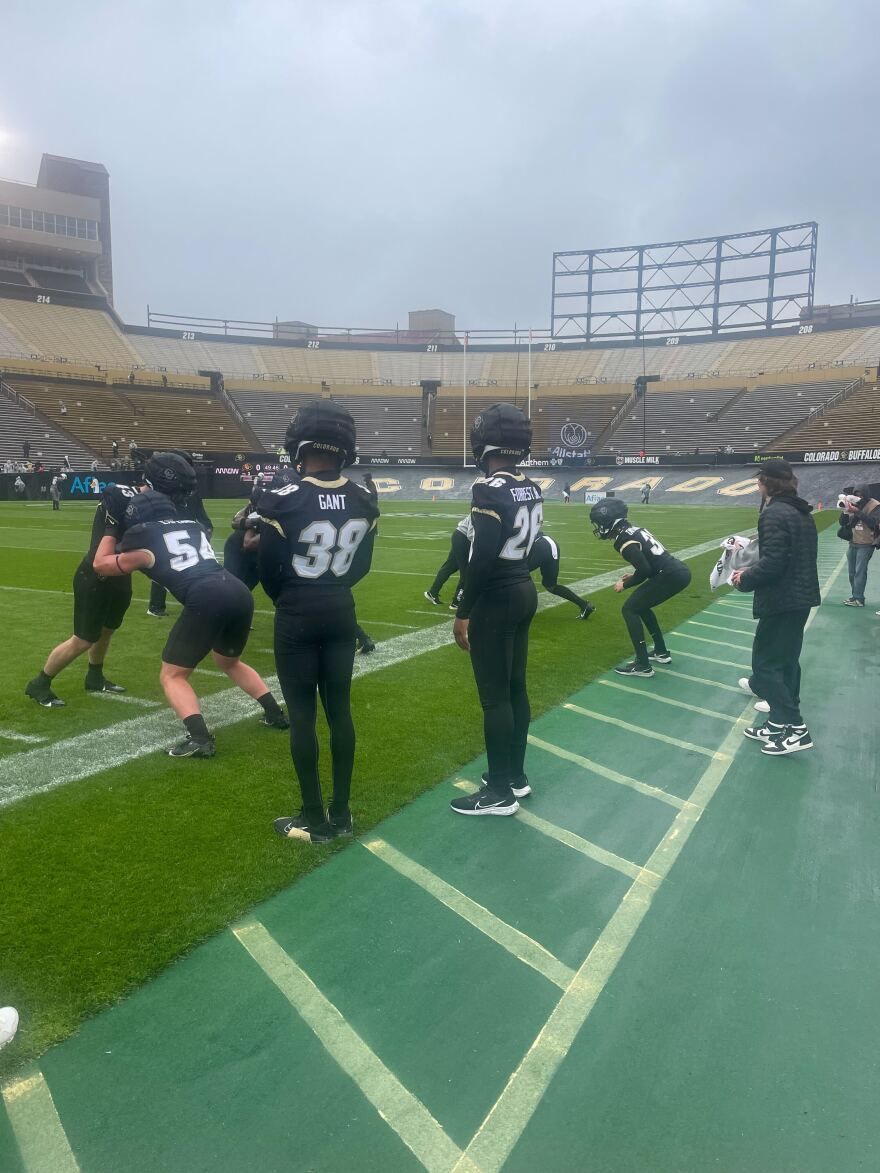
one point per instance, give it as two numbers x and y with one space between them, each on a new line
464 427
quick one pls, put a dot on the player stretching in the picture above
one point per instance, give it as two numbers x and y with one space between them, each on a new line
174 550
99 607
316 542
544 556
656 573
499 602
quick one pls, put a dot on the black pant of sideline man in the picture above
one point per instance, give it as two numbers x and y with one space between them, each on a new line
785 582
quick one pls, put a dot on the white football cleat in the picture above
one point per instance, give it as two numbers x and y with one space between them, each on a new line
8 1025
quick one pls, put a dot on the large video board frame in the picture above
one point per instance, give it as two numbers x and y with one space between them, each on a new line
711 286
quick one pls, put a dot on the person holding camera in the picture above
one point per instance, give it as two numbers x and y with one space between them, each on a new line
860 526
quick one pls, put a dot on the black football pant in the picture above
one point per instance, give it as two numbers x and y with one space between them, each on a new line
776 670
314 655
158 596
456 560
240 562
499 639
638 608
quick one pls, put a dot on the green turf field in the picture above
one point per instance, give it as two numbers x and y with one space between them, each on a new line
126 858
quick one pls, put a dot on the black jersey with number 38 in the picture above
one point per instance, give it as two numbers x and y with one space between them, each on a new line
182 551
315 532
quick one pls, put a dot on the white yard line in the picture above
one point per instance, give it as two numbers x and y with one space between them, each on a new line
397 1106
42 1141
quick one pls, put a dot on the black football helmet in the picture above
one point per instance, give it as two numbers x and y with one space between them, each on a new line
171 474
501 429
149 506
608 516
324 426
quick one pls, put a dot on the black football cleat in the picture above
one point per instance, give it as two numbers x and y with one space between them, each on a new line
191 748
366 646
435 599
586 611
634 668
43 695
276 720
163 614
296 827
520 790
485 802
105 686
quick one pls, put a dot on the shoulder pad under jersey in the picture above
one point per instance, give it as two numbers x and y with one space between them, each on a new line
280 500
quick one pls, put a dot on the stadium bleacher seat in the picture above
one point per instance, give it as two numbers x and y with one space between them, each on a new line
385 422
88 338
98 414
70 332
854 423
47 444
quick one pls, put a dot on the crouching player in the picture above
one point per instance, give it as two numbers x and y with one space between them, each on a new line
544 556
657 574
173 550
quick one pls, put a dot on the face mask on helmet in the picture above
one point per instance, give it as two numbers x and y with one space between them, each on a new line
607 517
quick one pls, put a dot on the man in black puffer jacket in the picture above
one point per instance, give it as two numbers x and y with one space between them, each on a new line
785 582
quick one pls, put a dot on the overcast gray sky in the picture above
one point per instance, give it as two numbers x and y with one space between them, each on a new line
345 162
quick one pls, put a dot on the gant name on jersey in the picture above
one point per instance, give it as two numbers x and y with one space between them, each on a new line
331 500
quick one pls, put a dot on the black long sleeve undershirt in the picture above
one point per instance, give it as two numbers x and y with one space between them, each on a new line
641 570
484 550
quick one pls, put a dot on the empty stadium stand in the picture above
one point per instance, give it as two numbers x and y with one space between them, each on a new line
673 421
745 419
98 413
851 424
69 332
48 445
742 392
390 423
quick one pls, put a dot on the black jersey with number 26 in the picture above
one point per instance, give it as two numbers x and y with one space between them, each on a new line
516 502
315 533
182 551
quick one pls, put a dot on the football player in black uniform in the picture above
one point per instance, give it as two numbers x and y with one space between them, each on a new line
456 560
316 542
173 549
656 573
498 603
240 553
99 607
194 507
544 556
